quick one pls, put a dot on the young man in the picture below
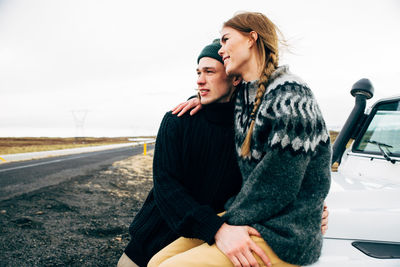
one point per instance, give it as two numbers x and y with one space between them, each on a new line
195 169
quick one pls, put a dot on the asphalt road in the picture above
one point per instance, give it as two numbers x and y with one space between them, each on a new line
21 177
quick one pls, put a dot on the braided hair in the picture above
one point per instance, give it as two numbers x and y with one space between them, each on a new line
267 47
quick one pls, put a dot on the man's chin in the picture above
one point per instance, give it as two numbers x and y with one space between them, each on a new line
205 102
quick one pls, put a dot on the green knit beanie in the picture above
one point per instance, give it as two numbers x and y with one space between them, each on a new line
211 50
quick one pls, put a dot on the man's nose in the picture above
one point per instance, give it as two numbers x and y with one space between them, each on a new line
201 79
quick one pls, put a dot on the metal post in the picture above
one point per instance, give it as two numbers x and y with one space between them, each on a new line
144 148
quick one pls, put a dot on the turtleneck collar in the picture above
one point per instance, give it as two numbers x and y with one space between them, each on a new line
251 90
252 86
219 113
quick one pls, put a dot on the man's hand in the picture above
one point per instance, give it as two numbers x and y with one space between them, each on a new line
193 104
236 244
324 222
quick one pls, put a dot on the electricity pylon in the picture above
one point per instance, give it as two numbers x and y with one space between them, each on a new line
79 118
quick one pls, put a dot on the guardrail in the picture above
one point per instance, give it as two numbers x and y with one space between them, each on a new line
145 142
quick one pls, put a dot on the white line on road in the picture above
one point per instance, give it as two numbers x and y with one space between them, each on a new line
38 164
52 161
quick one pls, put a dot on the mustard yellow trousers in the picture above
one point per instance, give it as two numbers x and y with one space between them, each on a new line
197 253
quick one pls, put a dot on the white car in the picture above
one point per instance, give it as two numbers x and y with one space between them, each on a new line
364 200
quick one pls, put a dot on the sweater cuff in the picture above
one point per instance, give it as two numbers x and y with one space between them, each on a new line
210 227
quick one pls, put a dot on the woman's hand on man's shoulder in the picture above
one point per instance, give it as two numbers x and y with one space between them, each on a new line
192 104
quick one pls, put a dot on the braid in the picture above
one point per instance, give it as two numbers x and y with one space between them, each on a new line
266 51
271 65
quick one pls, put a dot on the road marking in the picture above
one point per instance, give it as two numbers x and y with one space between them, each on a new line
52 161
36 164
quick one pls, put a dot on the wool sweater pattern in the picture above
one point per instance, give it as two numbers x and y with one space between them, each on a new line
287 175
195 172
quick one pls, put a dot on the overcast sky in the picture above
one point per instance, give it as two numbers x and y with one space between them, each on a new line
123 64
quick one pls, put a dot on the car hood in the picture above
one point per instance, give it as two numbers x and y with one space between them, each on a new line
363 209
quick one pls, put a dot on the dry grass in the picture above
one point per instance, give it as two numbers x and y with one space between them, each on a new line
10 145
333 135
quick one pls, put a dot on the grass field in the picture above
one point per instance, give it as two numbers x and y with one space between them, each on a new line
11 145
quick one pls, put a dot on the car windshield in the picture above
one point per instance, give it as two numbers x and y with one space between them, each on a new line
383 132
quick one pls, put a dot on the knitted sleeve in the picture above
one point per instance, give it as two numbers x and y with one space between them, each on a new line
178 208
288 130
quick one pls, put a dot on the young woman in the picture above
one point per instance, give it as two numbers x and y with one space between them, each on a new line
283 152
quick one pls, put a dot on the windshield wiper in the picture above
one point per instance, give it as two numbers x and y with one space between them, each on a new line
383 152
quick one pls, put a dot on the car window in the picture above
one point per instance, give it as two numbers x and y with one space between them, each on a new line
383 132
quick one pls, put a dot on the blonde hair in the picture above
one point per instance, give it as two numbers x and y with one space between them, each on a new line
267 47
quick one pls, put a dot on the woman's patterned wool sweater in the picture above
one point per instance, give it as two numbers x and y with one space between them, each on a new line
287 176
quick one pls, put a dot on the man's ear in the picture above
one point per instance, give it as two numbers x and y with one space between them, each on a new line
253 37
236 80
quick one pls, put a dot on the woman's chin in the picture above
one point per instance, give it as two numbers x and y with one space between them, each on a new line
230 71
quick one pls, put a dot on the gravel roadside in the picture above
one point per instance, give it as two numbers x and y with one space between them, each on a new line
80 222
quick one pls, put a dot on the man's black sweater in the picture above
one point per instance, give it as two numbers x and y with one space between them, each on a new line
195 172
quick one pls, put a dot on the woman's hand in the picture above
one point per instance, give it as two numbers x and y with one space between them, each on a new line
193 104
324 222
236 244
